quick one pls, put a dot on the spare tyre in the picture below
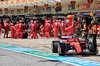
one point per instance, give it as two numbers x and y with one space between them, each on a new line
25 35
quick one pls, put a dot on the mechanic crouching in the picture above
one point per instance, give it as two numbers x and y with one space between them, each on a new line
85 29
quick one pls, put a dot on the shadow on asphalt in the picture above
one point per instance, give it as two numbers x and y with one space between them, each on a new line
85 55
49 61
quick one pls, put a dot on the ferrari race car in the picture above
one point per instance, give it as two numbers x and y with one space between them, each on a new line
73 45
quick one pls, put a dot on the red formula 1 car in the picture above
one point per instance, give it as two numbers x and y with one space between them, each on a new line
73 46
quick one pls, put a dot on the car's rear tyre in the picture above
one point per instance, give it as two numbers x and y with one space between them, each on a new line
55 46
92 47
62 49
96 52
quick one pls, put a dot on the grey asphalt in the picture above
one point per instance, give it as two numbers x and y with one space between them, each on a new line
12 58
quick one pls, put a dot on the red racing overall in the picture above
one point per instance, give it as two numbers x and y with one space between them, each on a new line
31 26
12 31
6 25
20 30
33 31
42 31
35 28
62 27
56 26
15 29
48 28
0 28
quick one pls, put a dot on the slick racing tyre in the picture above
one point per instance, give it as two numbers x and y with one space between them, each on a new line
92 46
61 49
96 52
25 35
54 46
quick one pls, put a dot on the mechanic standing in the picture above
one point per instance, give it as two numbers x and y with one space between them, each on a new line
15 29
16 25
94 34
56 26
94 31
20 29
0 28
48 28
35 28
33 31
53 21
85 29
6 27
31 26
12 30
62 27
60 21
42 31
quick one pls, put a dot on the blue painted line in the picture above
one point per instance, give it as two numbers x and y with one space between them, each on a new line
76 61
70 60
19 49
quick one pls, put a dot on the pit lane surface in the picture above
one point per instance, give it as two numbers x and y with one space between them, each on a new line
43 44
11 58
56 57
